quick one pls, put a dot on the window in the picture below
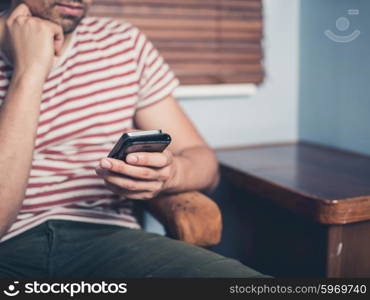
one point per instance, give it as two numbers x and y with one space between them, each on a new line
204 41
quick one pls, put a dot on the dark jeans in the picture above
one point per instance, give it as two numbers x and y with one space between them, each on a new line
68 249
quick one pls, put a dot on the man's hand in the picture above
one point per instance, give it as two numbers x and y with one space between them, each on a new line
143 176
33 42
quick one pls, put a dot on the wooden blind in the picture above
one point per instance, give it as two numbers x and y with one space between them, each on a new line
204 41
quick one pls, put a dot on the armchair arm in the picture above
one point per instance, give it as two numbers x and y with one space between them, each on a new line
190 216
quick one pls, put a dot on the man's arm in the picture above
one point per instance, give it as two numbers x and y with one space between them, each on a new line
18 125
32 51
187 164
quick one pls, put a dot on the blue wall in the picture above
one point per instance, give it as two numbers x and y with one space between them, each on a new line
334 105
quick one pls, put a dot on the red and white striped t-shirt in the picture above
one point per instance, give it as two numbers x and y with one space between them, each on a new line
108 72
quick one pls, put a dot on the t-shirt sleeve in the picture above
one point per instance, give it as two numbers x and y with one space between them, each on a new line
156 79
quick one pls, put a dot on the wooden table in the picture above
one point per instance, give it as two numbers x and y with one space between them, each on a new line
305 208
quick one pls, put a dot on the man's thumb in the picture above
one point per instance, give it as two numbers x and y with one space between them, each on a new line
58 40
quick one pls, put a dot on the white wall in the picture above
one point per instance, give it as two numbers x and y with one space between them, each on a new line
270 115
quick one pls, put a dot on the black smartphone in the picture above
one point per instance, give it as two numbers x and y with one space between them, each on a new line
140 141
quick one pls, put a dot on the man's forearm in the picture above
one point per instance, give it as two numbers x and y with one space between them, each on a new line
196 169
19 115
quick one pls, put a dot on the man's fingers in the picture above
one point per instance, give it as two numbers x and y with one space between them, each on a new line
150 159
120 167
134 185
135 195
20 19
58 39
21 10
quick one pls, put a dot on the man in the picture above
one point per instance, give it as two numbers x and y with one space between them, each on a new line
69 86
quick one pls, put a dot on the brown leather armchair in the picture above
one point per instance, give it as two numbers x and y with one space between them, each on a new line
191 217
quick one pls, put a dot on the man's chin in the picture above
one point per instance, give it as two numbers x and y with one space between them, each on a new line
69 25
69 29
